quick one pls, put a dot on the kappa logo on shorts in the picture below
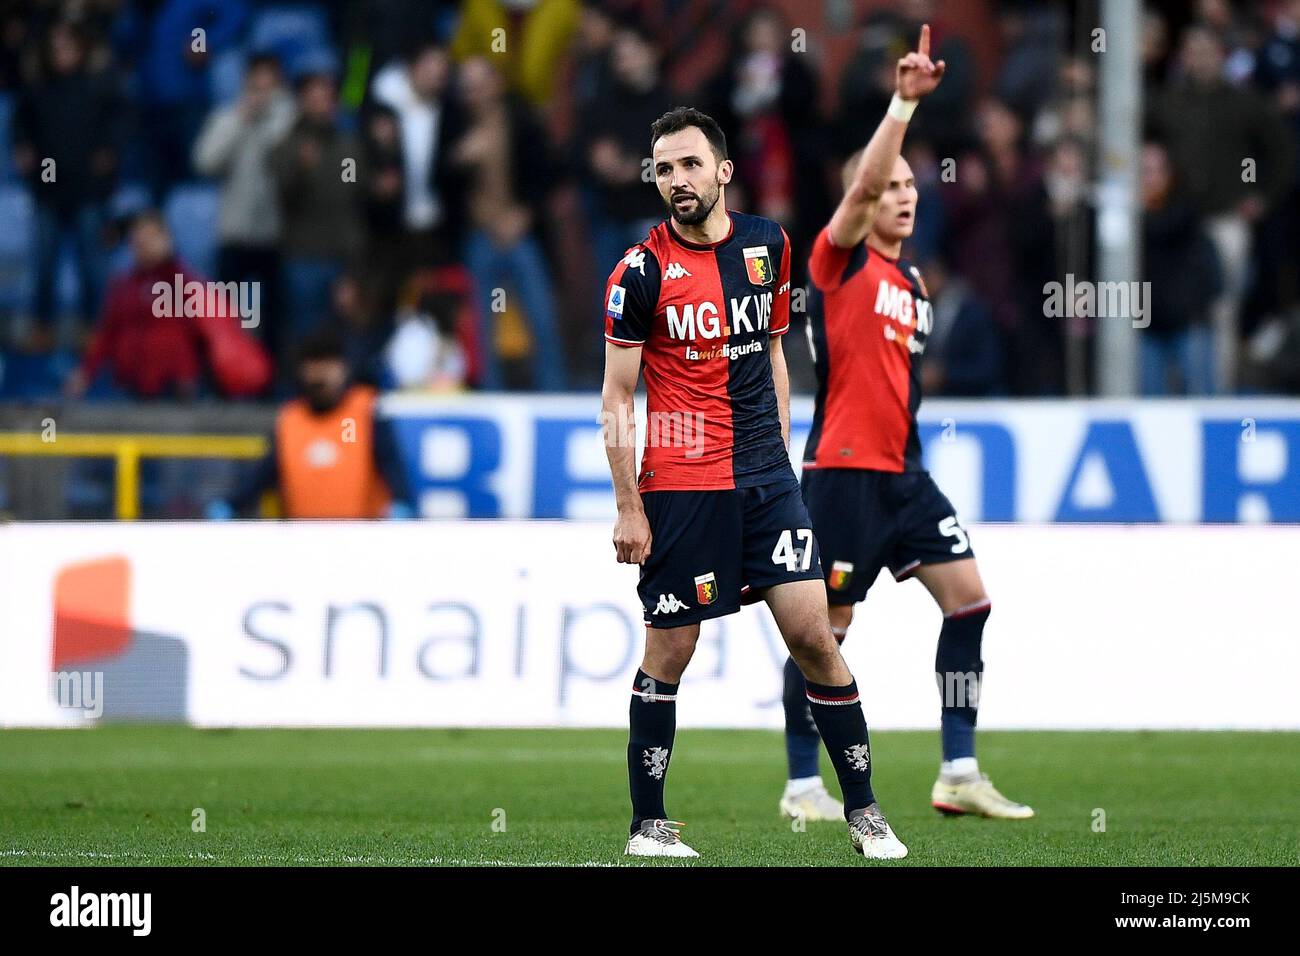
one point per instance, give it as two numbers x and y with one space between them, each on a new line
706 588
668 604
841 575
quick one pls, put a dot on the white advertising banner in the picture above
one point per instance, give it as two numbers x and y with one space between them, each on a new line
533 624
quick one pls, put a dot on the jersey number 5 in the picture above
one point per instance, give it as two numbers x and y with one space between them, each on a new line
949 528
794 559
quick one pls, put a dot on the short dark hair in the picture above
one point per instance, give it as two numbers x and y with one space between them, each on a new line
263 60
684 117
323 343
150 215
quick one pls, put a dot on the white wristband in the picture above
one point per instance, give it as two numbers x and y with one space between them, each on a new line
901 109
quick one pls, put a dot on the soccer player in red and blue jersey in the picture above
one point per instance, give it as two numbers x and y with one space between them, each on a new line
871 501
701 304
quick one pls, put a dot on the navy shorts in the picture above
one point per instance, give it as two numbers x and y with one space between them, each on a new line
706 545
867 520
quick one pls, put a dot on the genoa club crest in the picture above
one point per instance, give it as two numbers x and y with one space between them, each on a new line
841 574
758 264
706 588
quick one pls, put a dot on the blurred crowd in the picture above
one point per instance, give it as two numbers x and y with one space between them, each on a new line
445 186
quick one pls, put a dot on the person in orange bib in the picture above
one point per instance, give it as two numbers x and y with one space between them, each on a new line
330 456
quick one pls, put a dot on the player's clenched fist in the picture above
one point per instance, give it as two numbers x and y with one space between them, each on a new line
632 537
917 74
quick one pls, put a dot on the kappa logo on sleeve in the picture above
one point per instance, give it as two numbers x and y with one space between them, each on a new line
635 259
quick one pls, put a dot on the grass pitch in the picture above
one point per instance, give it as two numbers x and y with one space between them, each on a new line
135 795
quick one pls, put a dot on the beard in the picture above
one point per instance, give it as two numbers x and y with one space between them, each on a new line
703 206
321 398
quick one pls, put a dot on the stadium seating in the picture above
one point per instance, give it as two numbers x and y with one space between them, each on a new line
16 260
7 107
289 31
191 214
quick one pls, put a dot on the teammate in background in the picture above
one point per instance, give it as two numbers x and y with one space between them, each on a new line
704 300
871 502
331 456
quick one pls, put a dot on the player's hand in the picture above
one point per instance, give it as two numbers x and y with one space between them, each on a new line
917 74
632 537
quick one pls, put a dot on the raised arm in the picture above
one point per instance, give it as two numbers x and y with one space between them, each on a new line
916 76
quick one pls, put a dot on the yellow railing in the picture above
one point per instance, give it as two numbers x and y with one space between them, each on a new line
128 449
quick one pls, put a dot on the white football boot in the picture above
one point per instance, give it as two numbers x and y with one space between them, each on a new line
872 837
811 802
658 838
976 795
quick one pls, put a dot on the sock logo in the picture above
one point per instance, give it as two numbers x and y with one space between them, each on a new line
859 756
656 761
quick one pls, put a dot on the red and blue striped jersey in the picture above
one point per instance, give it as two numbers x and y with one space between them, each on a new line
703 316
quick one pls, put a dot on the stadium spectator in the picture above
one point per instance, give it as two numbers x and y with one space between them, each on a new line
172 43
331 455
384 178
929 230
866 84
1057 240
425 353
149 355
1277 74
616 147
963 355
529 37
1032 39
980 244
867 81
1234 156
765 99
235 147
66 145
360 324
320 202
1155 47
591 68
1180 263
418 90
503 159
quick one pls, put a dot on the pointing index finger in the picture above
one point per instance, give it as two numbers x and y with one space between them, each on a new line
923 47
